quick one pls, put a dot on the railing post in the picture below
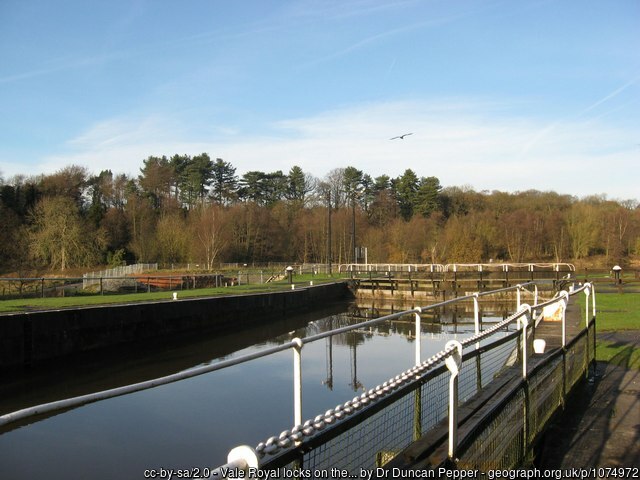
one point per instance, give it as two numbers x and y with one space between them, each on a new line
297 381
593 305
418 311
565 301
476 325
518 287
587 293
453 363
523 332
476 314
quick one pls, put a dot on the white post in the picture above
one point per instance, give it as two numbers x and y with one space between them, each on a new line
476 313
518 287
418 311
565 301
297 381
587 292
453 363
525 324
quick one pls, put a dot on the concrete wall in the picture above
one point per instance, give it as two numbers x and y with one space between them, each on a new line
29 338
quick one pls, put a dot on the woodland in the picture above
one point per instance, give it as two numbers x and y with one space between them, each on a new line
193 209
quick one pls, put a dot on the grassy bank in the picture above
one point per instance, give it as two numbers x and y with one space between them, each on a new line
618 312
54 303
625 355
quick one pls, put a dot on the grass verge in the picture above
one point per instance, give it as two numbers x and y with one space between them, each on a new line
54 303
626 356
616 312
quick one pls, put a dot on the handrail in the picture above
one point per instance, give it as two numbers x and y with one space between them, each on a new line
136 387
391 267
502 266
310 427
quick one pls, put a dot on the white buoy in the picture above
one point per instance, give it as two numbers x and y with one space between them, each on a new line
539 345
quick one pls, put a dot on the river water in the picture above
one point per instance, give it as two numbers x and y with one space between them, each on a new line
194 423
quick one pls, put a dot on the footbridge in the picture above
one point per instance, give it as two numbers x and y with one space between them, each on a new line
480 404
435 281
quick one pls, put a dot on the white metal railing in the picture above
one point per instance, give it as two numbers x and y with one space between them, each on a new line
390 267
505 267
248 457
94 278
295 344
451 356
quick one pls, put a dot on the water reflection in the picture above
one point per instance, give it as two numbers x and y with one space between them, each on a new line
195 422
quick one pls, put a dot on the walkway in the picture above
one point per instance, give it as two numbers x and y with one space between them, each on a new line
601 426
430 451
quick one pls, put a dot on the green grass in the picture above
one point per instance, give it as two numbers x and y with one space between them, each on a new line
618 311
624 355
615 312
83 300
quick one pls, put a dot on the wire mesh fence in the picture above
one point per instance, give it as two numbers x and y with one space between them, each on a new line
373 437
500 439
511 428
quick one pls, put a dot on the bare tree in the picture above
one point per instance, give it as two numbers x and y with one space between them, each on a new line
58 236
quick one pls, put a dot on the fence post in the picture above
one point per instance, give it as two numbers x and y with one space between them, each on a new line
523 332
593 309
565 301
418 311
42 286
453 363
476 315
297 381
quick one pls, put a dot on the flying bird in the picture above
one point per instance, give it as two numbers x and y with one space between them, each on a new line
401 137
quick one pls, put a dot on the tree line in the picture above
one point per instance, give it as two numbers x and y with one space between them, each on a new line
192 209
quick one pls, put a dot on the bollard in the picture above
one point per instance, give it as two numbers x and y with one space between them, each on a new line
539 345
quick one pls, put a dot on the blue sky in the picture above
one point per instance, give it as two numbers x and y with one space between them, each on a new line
504 95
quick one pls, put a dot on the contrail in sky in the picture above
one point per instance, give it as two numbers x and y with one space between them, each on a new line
552 126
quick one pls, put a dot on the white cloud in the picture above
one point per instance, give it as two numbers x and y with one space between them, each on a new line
478 143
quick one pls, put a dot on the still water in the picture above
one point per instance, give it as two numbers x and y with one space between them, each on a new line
194 423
